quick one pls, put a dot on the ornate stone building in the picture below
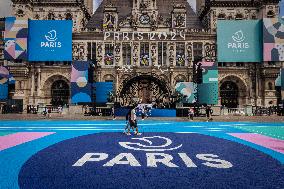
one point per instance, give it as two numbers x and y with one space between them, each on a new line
145 47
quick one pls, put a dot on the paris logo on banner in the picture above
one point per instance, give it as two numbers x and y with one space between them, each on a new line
50 40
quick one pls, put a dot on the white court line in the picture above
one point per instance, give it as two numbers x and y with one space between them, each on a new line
194 126
185 132
214 128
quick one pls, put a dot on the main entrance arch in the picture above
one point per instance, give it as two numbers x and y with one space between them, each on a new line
57 90
229 93
233 92
144 89
60 93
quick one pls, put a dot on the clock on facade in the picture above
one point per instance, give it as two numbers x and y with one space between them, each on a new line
144 19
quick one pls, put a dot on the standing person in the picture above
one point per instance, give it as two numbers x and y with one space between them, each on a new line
127 127
113 113
60 110
44 111
190 114
208 113
133 121
49 112
143 112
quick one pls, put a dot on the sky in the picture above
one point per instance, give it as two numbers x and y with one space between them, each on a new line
281 5
5 8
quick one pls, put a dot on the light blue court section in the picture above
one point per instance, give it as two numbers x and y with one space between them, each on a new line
117 126
13 159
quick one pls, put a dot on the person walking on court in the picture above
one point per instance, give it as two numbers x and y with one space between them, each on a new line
208 113
190 114
133 121
127 127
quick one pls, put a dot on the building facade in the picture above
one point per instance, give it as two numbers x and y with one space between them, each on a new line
145 47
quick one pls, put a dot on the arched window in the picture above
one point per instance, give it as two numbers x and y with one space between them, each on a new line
270 14
59 93
229 93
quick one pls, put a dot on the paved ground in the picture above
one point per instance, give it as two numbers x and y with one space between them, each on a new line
273 118
90 154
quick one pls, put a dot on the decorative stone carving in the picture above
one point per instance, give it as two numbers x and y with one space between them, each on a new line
179 17
117 53
100 53
110 23
79 51
210 52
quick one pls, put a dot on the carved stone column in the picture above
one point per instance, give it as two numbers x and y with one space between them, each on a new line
80 50
210 51
100 53
136 53
33 84
189 53
39 82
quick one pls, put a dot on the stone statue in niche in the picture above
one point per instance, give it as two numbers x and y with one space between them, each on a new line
109 21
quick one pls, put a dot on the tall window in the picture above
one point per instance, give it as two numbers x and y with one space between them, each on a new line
91 51
109 54
197 49
162 53
144 54
180 55
126 53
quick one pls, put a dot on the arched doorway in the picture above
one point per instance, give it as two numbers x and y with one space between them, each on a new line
144 89
229 93
60 93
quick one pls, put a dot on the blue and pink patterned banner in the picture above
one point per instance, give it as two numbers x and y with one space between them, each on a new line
81 89
15 37
273 39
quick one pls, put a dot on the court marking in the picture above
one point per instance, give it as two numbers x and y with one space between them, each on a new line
268 142
12 140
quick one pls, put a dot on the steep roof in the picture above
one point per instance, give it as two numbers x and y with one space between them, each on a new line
124 8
